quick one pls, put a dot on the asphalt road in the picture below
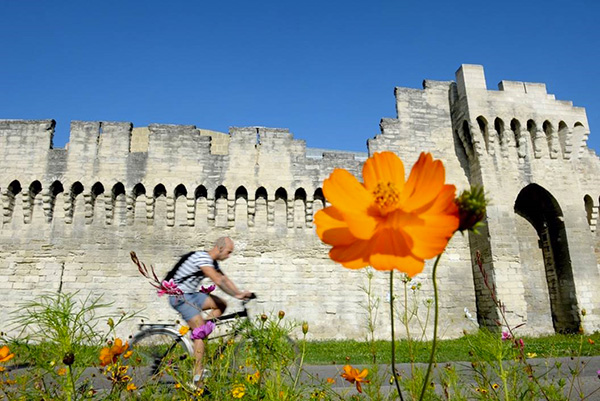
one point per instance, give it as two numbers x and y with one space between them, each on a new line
586 386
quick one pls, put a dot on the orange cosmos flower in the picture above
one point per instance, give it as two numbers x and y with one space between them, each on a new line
118 348
106 357
5 354
387 222
353 376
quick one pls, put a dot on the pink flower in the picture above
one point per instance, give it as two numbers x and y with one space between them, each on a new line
506 336
520 343
200 333
169 288
598 373
207 290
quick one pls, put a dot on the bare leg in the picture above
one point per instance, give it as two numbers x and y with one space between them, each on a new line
195 322
216 306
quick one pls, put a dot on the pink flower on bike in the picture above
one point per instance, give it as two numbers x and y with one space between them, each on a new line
169 288
506 336
207 290
200 333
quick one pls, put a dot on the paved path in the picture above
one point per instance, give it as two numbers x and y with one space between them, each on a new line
588 382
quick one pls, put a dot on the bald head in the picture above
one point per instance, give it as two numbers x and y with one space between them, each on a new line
222 249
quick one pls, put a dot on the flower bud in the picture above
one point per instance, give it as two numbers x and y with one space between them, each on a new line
471 208
111 323
263 317
281 314
583 312
69 358
304 328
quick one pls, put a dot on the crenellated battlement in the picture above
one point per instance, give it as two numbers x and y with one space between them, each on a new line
171 175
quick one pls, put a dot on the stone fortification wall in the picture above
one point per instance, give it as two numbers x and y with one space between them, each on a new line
71 216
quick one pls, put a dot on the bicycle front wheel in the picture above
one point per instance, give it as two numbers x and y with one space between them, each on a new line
161 358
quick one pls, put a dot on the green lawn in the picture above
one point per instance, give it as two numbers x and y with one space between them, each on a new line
356 352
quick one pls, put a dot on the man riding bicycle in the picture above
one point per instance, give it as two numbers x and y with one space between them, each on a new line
187 274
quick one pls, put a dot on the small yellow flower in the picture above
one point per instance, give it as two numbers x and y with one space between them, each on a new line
183 330
177 385
484 391
199 392
253 378
131 387
238 391
2 369
495 386
330 380
61 371
531 355
128 354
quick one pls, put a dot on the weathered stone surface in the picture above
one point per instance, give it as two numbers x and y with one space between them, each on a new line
71 216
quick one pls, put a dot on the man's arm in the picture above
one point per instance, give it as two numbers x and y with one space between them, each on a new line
224 282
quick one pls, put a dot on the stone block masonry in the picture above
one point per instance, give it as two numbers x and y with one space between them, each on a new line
71 216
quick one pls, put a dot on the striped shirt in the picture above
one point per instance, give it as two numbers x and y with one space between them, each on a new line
189 274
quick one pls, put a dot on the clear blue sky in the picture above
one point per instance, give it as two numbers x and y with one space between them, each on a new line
324 69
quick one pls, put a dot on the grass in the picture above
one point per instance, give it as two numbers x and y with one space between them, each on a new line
357 352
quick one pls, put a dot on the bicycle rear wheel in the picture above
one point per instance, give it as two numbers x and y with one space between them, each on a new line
161 359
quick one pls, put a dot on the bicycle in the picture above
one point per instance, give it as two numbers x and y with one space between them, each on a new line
165 357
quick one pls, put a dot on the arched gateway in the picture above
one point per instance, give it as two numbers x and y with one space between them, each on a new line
541 210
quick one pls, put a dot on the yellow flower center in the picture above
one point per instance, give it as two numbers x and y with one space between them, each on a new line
386 197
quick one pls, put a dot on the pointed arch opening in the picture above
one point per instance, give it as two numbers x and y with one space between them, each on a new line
318 200
541 210
241 208
221 209
97 203
201 206
260 210
588 203
300 208
119 204
77 206
483 127
35 202
499 128
280 208
56 201
181 212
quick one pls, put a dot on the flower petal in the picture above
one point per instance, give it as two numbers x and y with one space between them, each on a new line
425 181
391 251
331 227
344 192
383 167
352 256
438 225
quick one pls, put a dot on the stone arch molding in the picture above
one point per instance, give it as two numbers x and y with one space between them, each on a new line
112 203
546 260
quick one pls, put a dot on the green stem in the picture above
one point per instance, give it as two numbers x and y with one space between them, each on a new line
72 385
393 339
435 327
301 362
